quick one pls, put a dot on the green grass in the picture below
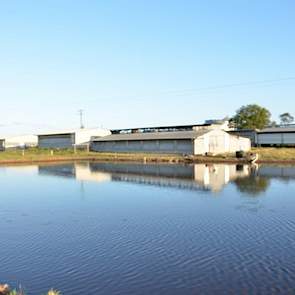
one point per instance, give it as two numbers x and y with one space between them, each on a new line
46 155
42 155
275 154
36 154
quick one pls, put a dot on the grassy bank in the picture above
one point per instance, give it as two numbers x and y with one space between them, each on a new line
35 154
270 155
44 155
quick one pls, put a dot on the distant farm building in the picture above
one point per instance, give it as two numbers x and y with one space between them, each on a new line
22 141
2 145
70 138
187 139
278 136
273 136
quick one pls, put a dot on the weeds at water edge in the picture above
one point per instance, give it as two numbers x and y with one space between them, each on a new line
22 292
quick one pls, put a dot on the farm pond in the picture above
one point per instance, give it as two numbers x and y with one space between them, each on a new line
119 228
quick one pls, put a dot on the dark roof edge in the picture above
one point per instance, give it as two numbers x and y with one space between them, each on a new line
162 127
273 132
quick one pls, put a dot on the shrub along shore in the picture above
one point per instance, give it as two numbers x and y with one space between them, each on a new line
35 155
5 290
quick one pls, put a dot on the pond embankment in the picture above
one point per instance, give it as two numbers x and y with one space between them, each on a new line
266 155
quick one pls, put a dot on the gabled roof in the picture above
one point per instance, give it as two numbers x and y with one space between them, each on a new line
153 135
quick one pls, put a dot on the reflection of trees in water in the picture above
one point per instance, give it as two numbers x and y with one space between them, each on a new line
252 185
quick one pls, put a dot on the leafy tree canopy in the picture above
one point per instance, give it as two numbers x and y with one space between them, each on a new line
252 116
273 124
286 118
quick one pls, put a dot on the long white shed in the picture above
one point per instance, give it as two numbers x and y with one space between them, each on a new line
279 136
196 142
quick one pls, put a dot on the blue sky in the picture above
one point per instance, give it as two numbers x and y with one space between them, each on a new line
142 63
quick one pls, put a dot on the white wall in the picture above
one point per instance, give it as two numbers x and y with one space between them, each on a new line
201 145
84 135
20 141
238 143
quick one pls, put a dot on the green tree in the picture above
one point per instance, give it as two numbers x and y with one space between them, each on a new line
252 116
286 118
273 124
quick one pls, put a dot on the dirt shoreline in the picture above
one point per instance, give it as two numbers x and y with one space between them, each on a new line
143 159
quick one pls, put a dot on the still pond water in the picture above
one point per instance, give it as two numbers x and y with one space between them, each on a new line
95 228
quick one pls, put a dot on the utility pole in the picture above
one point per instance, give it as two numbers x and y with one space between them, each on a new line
81 113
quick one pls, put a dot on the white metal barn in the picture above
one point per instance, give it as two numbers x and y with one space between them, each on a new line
69 138
195 142
280 136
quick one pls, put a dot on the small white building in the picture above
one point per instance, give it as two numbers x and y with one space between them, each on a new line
195 142
21 141
69 138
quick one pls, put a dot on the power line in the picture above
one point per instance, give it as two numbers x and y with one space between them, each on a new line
192 91
259 82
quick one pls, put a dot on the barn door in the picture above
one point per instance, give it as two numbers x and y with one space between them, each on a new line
216 144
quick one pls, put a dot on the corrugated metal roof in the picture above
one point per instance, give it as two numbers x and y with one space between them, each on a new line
61 132
277 130
242 130
70 131
153 135
160 127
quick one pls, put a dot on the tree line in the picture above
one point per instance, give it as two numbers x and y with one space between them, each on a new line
253 116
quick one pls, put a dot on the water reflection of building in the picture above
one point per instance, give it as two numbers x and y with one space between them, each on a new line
152 174
80 171
84 173
281 172
62 170
216 176
198 177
